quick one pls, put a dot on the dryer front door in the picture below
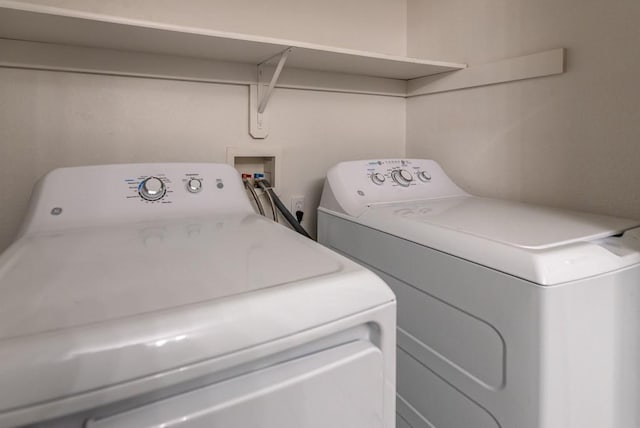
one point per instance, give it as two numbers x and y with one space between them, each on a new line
341 387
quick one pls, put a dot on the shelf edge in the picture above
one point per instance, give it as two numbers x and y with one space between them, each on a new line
541 64
109 62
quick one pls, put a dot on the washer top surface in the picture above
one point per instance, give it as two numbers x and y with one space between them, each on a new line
511 223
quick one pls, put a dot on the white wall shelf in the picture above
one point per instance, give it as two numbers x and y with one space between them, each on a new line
27 22
32 34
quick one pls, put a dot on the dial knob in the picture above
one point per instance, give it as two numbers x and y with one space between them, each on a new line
402 177
424 176
377 178
194 185
152 189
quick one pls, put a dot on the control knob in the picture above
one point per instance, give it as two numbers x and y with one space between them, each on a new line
402 177
377 178
194 185
424 176
152 189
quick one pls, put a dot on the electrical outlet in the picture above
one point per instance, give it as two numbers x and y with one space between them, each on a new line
297 204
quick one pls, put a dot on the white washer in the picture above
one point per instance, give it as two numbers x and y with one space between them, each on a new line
509 315
150 295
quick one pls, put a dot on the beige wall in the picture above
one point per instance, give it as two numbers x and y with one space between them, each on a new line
571 140
50 120
375 25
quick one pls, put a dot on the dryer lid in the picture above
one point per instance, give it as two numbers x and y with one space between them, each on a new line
511 223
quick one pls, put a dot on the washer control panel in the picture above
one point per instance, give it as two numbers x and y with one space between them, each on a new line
351 187
134 192
161 187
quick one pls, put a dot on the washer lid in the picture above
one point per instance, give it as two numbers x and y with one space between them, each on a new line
543 245
511 223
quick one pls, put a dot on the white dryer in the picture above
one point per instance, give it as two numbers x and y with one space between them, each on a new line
151 295
509 315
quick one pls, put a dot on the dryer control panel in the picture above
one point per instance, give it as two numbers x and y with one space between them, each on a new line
351 187
398 172
106 194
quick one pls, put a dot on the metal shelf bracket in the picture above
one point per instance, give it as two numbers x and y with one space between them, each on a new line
260 94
